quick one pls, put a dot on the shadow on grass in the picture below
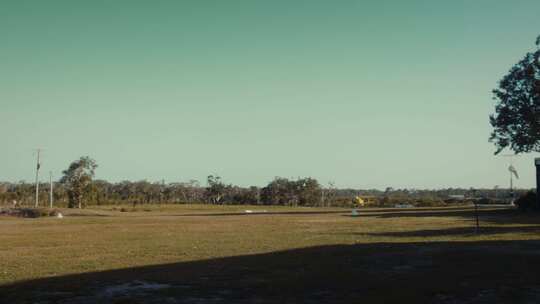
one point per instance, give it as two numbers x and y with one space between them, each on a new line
434 212
437 272
379 212
498 215
471 231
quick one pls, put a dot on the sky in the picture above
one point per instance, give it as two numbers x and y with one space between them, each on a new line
365 94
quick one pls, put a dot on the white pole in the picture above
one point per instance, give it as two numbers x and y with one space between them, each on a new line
37 178
51 191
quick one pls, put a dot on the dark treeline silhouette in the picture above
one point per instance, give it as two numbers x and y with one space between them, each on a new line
280 191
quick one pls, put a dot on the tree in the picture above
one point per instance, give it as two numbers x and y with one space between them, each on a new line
278 192
77 180
329 194
281 191
516 121
216 189
309 192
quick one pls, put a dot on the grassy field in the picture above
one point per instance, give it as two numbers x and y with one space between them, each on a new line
221 254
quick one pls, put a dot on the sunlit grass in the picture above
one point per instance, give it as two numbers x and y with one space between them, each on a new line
105 238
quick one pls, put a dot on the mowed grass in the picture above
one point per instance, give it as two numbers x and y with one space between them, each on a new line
425 254
102 239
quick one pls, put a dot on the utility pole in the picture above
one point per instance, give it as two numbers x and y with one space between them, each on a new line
51 190
537 165
322 196
475 201
162 191
476 215
37 177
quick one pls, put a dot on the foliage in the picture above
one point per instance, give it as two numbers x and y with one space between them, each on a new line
29 212
77 180
302 192
280 191
216 189
516 121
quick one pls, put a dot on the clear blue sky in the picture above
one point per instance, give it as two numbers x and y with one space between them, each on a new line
363 93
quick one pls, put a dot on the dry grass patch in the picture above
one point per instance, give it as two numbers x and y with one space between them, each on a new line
280 250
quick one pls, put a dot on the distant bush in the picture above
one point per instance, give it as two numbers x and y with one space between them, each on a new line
29 212
488 201
345 202
392 202
32 212
527 202
454 201
429 202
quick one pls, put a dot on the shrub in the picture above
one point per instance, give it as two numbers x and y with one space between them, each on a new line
487 201
33 212
29 212
429 202
527 202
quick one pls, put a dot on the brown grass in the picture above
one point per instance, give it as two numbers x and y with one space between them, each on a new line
282 255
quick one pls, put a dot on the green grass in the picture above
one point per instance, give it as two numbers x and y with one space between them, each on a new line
283 255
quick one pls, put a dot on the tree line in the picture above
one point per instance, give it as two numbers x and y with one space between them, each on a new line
78 189
281 191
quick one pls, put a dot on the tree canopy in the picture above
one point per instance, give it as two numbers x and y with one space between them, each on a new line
516 120
216 189
77 180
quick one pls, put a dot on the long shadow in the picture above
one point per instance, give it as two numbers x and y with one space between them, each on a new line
497 216
380 212
439 213
489 214
470 231
437 272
